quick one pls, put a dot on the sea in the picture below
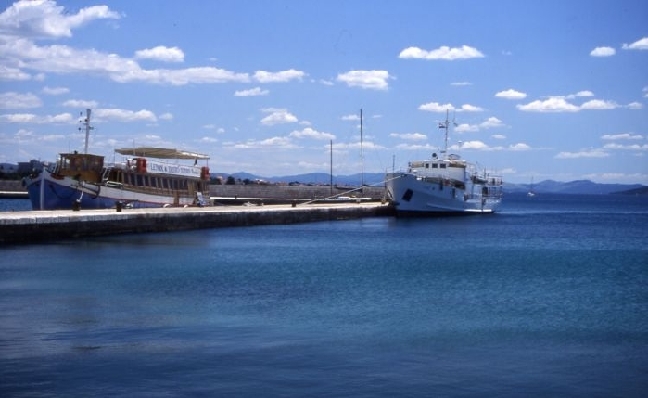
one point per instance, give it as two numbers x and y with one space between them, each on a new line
548 298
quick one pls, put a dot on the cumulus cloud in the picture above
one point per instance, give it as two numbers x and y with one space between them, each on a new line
625 136
351 117
311 133
410 137
166 116
436 107
55 90
603 52
552 104
278 77
474 145
520 146
599 104
45 19
366 79
31 118
641 44
13 100
443 52
161 53
278 116
124 115
590 153
253 92
81 104
511 94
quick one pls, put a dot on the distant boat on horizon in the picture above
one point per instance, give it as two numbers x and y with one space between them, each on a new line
531 192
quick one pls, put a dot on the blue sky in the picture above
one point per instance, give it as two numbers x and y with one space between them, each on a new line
549 90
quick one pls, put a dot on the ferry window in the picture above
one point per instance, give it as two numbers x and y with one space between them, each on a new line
427 165
435 166
443 165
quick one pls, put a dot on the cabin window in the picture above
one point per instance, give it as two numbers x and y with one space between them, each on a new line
427 165
139 180
443 165
435 166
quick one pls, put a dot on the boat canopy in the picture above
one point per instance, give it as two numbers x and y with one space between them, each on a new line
161 153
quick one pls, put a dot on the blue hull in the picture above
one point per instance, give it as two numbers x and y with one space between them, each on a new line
59 197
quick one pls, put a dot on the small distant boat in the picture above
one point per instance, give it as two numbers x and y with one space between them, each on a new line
444 184
146 177
531 192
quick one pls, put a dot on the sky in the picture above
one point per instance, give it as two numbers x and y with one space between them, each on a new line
537 90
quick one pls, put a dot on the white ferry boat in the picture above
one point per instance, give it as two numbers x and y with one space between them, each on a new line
145 177
444 184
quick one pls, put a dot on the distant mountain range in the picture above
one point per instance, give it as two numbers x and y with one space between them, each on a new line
547 186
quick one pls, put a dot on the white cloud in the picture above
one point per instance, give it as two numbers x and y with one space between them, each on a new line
124 115
161 53
584 93
498 136
635 105
436 107
166 116
278 77
253 92
461 84
645 92
466 128
55 90
474 145
352 117
81 104
491 122
625 136
635 147
641 44
8 73
603 52
13 100
553 104
599 104
206 74
511 94
31 118
443 52
208 140
44 19
278 116
410 137
591 153
366 79
311 133
520 146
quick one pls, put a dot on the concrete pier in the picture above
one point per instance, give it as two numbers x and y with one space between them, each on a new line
38 226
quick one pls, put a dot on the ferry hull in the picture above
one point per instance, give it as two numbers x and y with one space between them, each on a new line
413 196
47 192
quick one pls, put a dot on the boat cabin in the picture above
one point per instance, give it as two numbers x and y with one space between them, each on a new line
81 166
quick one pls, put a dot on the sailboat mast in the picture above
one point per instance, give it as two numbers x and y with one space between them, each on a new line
361 153
87 127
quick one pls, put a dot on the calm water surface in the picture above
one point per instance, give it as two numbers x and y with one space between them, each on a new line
547 298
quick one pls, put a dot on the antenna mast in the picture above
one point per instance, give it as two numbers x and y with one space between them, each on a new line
361 153
87 128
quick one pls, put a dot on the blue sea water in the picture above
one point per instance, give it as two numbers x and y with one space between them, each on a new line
547 298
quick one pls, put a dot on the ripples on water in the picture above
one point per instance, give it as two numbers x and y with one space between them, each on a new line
531 302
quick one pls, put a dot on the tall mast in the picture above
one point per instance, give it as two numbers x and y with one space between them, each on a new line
445 125
87 127
331 184
361 153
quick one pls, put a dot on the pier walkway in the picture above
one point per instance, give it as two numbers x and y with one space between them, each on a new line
38 226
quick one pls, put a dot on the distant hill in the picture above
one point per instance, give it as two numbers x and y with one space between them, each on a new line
547 186
572 187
